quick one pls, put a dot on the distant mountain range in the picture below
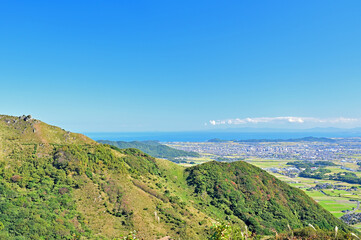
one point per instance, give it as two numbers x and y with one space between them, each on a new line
153 148
289 130
305 139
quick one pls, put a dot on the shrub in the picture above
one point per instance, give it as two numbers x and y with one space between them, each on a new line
63 190
16 178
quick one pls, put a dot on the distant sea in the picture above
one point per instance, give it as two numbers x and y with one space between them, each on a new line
205 136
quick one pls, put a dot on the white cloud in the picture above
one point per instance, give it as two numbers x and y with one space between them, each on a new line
299 120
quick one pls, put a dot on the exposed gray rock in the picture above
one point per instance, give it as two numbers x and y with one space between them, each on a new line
25 118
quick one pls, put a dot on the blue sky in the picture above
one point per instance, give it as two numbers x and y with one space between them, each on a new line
181 65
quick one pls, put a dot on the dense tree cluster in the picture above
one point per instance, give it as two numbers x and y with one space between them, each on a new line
257 198
153 148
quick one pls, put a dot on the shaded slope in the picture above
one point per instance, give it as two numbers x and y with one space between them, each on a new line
153 148
263 202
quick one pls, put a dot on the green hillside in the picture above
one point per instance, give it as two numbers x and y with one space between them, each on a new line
60 185
257 198
153 148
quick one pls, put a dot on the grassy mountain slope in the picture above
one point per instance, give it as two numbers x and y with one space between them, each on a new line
152 148
60 185
263 202
26 130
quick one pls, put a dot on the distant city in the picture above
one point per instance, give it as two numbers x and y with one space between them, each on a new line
342 149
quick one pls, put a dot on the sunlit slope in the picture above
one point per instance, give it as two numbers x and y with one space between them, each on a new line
60 185
24 129
56 185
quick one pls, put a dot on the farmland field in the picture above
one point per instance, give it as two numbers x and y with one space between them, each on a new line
339 199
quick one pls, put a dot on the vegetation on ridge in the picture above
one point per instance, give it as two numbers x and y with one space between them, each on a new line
153 148
263 202
59 185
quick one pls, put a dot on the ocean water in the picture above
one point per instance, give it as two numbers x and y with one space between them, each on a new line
205 136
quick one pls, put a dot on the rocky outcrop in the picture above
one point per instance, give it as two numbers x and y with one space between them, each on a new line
25 118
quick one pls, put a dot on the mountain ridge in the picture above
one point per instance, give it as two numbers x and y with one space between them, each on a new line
60 185
153 148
